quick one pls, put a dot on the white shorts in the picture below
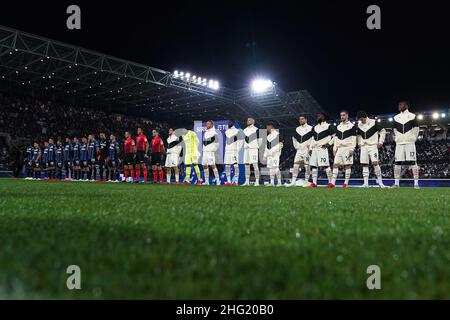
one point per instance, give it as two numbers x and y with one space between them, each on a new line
251 156
209 158
342 157
172 160
405 152
231 157
273 162
302 155
369 153
319 158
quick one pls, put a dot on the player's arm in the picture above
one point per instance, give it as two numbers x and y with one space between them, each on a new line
258 138
415 130
381 135
295 143
331 137
280 143
353 140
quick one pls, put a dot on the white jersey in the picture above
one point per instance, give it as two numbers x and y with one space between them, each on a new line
251 137
174 144
370 133
233 140
274 145
323 134
406 128
303 137
210 140
345 136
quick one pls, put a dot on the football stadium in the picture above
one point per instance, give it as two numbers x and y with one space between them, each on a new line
167 184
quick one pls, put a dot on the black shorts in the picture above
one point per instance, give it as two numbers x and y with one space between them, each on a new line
59 165
35 164
83 163
67 163
112 163
92 162
50 164
102 161
140 157
156 159
128 160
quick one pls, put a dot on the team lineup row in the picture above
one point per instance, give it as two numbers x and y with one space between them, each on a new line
79 159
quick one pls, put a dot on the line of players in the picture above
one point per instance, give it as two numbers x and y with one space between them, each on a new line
311 143
80 158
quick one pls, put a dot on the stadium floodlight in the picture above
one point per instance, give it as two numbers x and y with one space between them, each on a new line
435 115
187 77
261 85
442 115
379 120
390 119
420 117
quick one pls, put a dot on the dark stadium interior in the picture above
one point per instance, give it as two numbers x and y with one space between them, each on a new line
53 88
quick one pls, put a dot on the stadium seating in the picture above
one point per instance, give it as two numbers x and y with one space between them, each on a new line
27 119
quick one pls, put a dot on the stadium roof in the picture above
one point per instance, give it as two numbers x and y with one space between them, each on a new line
94 79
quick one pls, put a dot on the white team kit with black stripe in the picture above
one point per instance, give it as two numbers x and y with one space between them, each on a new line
406 131
251 145
323 134
173 151
344 143
233 146
210 147
369 135
272 153
302 140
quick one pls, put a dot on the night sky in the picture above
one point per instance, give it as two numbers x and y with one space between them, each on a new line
321 46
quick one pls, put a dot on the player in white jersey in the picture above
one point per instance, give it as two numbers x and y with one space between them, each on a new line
173 156
233 146
252 142
302 140
323 134
370 137
272 154
343 149
406 131
210 147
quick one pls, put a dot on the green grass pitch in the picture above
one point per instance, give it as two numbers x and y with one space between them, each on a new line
193 242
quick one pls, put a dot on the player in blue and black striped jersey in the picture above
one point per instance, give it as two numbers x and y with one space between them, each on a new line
28 161
84 158
44 160
51 159
93 151
103 156
76 159
59 159
113 153
35 160
68 156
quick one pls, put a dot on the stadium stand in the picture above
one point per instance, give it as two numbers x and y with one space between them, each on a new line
27 119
